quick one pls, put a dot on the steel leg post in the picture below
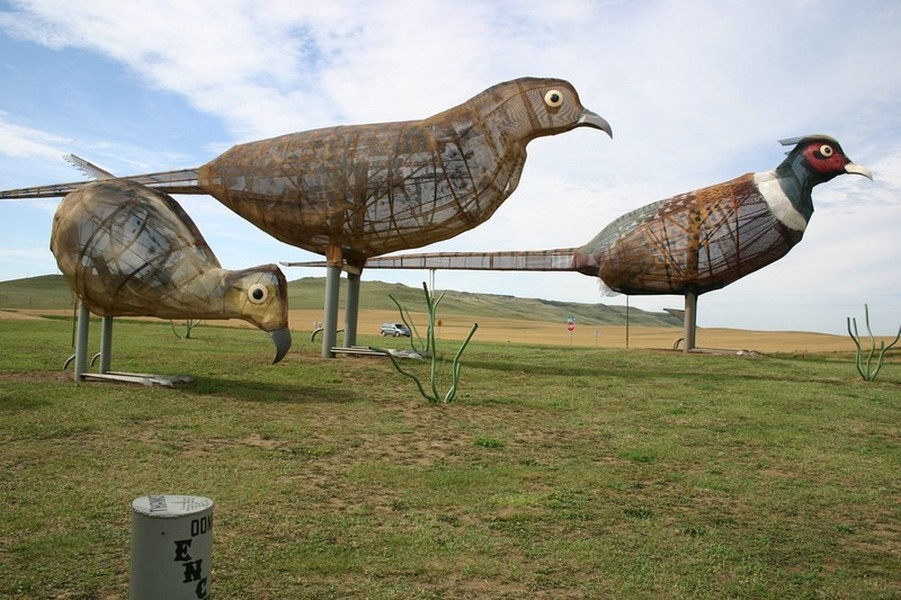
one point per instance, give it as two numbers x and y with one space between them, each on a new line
691 320
81 342
351 309
106 343
330 322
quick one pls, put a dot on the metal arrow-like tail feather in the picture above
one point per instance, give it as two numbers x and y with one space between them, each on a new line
89 169
183 181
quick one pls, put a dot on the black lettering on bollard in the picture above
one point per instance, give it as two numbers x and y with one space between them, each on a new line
192 570
181 550
157 503
200 590
201 525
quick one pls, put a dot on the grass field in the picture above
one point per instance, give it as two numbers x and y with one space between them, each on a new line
559 472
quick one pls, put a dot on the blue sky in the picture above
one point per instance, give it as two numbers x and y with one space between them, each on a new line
697 92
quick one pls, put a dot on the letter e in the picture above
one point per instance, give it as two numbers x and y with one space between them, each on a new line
181 550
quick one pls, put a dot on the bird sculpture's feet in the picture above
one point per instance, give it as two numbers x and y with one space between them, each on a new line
125 377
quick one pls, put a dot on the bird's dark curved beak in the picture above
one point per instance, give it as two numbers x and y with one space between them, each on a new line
856 169
282 339
596 121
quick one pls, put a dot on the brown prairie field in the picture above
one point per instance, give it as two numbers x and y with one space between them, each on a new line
522 331
603 336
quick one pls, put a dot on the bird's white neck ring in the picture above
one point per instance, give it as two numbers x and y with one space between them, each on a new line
780 204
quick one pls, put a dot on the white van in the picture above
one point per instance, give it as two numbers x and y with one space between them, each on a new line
394 330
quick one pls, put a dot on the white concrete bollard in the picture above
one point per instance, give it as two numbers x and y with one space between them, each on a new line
171 547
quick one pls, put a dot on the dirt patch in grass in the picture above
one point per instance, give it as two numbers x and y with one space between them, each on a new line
35 377
13 315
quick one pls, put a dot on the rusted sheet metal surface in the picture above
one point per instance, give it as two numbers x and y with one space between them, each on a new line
373 189
126 249
351 192
706 239
698 241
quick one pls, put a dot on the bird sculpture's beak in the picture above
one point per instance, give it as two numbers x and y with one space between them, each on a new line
857 169
282 339
590 119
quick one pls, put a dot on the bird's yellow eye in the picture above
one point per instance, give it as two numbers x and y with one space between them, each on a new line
553 98
257 293
826 150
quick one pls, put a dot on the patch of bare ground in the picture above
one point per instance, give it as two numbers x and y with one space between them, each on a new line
213 446
15 315
35 377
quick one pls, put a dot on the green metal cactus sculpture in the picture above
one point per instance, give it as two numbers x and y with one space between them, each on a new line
867 370
427 349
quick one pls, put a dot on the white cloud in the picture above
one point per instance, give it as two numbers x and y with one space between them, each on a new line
24 142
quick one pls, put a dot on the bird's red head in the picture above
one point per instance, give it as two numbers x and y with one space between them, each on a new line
825 157
821 158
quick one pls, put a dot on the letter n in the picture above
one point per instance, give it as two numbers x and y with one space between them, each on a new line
192 570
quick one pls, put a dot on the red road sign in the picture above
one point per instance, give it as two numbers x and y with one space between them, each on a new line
570 326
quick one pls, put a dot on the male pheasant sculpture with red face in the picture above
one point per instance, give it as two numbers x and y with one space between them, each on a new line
708 238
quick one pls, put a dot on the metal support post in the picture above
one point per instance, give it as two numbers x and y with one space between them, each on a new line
352 309
691 320
106 343
330 320
81 342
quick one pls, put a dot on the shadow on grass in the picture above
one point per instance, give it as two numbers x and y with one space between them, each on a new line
269 392
712 373
13 403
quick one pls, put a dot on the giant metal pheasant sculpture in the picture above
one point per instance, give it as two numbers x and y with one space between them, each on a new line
706 239
688 244
129 250
352 192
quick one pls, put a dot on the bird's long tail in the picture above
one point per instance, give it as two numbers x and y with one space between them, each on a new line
561 259
183 181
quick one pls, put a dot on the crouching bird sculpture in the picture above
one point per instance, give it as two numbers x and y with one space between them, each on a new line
353 192
129 250
691 243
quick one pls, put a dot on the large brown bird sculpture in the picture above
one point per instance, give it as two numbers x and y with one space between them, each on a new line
364 190
129 250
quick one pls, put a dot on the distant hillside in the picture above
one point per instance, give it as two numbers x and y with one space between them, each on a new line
42 292
309 292
51 292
